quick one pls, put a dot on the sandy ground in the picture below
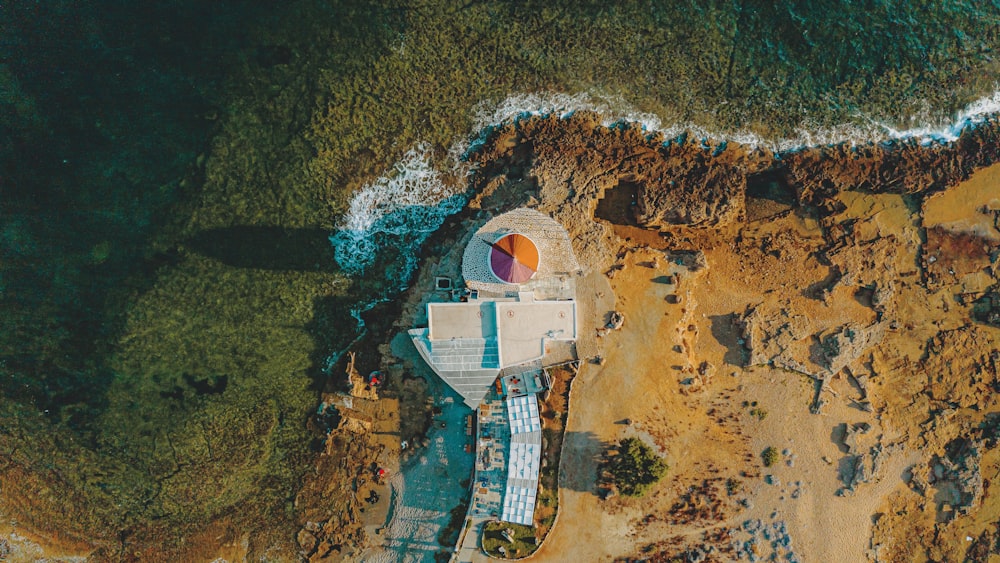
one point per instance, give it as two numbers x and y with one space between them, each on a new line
704 429
22 546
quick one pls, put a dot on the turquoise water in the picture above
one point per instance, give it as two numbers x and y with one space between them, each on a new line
172 174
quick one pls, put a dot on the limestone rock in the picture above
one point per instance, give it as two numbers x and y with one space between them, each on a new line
615 320
307 541
963 379
841 347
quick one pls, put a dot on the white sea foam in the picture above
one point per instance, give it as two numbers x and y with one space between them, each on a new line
396 212
403 207
388 220
949 131
927 129
518 106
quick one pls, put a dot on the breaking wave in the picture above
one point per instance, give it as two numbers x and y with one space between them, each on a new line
973 114
386 223
395 214
616 110
522 106
391 217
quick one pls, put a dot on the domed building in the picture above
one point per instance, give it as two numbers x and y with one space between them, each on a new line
513 259
521 250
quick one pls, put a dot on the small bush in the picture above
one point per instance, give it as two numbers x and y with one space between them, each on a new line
733 486
636 467
769 456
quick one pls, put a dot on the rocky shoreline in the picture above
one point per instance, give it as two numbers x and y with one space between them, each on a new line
687 195
687 182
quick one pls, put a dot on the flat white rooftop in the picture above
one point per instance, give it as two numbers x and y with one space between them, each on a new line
475 319
467 344
523 327
520 327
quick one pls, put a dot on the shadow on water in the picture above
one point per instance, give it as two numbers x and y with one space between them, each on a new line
279 249
114 100
268 248
110 106
335 324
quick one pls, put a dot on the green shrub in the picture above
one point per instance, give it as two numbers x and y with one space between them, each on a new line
769 456
636 467
548 498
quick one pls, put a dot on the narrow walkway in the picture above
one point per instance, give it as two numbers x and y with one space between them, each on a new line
493 442
469 551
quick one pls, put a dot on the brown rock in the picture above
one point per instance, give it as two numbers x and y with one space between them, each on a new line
307 541
965 378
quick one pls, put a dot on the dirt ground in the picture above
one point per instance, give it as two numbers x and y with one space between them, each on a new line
749 333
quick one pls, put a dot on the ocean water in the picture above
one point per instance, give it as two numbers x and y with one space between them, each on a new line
398 210
386 223
201 204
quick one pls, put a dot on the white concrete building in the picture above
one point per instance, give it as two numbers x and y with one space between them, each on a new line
501 325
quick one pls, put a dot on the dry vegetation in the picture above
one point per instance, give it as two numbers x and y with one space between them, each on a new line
553 411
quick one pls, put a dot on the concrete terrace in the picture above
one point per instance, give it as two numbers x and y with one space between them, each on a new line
468 343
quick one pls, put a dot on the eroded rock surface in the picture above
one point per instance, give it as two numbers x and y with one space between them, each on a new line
841 263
